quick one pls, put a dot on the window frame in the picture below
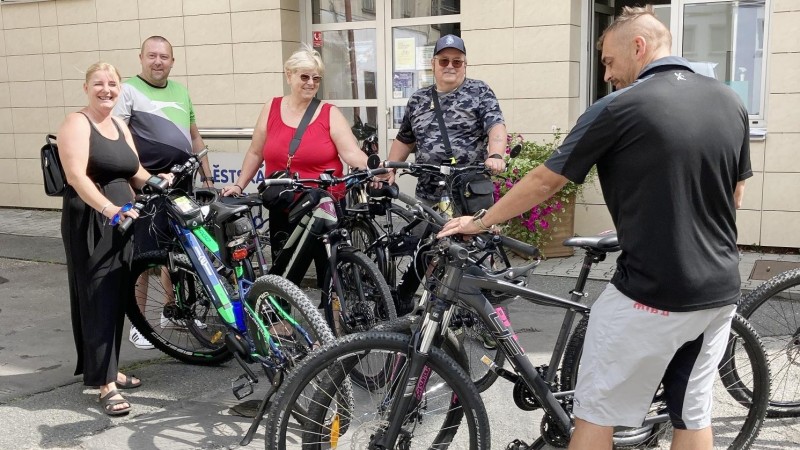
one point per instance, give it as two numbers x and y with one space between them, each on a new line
677 18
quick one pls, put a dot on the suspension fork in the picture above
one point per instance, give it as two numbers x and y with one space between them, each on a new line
414 380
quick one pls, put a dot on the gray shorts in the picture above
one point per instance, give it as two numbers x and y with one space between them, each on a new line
630 348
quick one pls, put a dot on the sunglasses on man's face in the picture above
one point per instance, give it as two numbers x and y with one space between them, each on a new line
304 77
444 62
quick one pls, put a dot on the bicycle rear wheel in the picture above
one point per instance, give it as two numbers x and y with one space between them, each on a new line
735 423
366 299
174 312
775 315
447 412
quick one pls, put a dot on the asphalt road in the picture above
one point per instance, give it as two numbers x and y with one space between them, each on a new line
43 406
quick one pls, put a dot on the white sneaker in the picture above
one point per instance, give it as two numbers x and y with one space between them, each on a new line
138 340
179 324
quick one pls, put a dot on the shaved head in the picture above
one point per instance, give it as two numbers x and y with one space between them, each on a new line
639 21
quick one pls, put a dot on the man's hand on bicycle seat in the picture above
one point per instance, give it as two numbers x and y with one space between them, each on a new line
460 225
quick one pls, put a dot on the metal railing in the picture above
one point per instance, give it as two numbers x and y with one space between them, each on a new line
227 133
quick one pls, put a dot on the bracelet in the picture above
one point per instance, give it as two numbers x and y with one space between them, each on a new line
104 208
241 189
204 178
479 222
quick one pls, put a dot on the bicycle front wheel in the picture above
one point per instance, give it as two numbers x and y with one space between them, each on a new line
775 315
736 423
281 310
174 312
447 410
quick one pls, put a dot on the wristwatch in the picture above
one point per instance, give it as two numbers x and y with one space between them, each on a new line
496 156
478 219
204 178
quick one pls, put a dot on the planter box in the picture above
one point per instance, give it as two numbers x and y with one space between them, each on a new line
564 229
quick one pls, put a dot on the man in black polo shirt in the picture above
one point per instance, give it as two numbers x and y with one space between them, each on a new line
672 153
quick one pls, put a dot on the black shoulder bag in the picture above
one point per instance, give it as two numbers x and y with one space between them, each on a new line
471 192
278 197
55 182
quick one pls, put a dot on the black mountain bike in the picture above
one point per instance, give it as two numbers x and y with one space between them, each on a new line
355 294
426 400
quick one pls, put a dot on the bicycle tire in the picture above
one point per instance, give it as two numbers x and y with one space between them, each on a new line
268 293
177 337
775 315
367 297
363 236
454 414
742 421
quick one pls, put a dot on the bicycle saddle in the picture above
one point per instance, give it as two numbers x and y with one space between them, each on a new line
248 200
222 212
607 243
386 190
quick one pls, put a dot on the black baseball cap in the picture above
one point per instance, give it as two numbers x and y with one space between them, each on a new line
449 41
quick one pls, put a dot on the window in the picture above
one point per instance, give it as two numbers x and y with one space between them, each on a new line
724 39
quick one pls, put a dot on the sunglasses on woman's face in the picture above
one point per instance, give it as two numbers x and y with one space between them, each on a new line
304 77
444 62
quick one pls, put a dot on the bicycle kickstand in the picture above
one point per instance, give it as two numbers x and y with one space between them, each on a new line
262 408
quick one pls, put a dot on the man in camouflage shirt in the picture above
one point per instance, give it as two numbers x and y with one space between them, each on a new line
475 124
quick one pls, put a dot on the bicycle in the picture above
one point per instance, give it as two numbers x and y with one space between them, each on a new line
355 294
428 396
396 237
266 321
772 311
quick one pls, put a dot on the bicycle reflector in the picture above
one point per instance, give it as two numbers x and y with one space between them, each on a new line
118 216
239 254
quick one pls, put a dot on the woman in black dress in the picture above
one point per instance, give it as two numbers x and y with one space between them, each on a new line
101 165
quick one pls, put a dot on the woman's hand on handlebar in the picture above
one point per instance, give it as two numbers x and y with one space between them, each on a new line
460 225
167 176
233 189
379 180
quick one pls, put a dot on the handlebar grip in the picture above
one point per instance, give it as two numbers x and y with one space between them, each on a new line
378 171
125 224
520 247
397 164
278 182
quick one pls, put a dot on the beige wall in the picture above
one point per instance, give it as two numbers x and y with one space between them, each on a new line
229 53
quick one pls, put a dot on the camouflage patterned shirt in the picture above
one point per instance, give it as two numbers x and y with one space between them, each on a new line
469 111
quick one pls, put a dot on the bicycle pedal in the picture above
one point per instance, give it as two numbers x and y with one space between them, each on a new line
517 444
242 383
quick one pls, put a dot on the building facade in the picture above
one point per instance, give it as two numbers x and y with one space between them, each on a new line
537 55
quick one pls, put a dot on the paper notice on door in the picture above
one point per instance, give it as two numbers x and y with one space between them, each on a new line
404 54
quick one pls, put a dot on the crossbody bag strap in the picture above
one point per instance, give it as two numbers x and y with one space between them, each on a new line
301 128
448 151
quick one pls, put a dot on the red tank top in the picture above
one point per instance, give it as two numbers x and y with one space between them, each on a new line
315 153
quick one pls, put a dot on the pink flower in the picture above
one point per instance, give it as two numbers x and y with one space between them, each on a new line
543 223
509 184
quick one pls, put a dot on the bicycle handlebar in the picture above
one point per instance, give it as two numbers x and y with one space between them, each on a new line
299 182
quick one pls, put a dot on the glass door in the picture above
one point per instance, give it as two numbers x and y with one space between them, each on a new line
345 33
413 27
376 54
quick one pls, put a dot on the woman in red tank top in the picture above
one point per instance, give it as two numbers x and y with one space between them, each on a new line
326 142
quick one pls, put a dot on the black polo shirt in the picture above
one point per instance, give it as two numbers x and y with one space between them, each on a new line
669 151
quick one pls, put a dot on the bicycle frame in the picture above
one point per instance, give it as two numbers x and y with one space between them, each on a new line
197 244
463 286
322 220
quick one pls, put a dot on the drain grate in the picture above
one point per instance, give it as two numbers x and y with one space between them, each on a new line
764 269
